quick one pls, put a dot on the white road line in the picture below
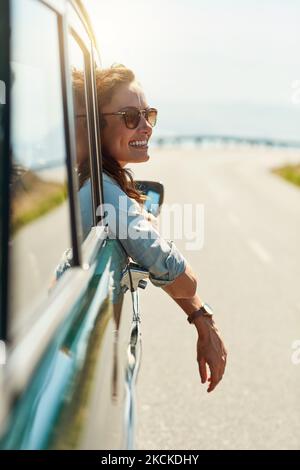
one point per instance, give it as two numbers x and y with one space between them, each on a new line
234 219
259 250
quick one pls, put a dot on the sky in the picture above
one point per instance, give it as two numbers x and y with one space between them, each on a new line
209 66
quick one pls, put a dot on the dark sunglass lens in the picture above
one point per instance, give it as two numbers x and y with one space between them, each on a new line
152 116
132 118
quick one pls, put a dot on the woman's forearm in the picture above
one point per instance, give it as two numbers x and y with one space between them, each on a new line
189 305
184 286
184 291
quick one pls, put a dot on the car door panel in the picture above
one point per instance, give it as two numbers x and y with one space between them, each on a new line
70 401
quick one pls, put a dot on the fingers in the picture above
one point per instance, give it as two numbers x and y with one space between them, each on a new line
214 355
203 370
214 379
216 373
224 361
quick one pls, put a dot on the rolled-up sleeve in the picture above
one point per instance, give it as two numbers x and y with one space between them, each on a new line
169 267
141 240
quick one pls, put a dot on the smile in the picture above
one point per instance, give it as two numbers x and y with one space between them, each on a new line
138 143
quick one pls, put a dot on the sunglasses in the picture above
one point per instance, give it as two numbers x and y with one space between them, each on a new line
132 116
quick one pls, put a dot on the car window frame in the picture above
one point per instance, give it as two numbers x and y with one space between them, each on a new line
77 26
89 117
83 34
71 281
79 22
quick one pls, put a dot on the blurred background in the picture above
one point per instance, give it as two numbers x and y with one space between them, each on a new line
211 66
225 77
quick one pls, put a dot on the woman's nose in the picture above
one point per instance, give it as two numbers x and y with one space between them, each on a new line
145 125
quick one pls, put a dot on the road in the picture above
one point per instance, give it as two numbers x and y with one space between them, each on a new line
249 270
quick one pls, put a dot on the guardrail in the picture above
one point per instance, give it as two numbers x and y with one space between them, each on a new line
225 139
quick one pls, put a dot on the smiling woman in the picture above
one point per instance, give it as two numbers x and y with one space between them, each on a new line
126 123
128 143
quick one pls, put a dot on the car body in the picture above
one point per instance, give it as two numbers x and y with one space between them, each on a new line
70 349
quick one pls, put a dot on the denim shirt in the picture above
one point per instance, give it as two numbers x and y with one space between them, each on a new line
139 238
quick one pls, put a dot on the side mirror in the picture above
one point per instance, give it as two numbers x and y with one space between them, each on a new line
155 193
135 279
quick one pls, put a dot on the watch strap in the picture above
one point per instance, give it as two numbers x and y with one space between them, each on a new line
198 313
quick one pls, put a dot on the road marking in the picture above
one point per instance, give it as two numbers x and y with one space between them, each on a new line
234 219
260 251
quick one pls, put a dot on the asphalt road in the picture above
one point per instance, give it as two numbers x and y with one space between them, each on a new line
249 271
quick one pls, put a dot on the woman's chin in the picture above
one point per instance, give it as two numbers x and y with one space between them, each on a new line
141 158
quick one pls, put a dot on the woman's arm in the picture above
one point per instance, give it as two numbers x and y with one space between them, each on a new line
184 286
167 269
210 347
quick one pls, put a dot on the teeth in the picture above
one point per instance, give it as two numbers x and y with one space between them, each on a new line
138 143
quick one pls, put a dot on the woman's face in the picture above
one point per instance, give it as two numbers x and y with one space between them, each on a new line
119 141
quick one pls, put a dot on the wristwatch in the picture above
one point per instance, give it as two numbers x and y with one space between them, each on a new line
204 311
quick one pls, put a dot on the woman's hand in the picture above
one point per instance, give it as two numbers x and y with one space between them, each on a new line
210 351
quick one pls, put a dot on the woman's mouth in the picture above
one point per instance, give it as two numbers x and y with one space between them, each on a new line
139 144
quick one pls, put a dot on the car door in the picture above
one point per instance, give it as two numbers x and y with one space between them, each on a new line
67 339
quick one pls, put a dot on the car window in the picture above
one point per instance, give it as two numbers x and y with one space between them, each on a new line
83 159
40 216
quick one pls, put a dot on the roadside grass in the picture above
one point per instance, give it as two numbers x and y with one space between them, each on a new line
290 173
33 199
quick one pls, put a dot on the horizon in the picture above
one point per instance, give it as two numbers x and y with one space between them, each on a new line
210 66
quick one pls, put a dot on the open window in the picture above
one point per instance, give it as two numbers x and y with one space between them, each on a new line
40 222
77 63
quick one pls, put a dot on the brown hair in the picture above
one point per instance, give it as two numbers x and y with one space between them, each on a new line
107 82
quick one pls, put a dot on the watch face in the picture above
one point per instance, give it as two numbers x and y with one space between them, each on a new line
208 309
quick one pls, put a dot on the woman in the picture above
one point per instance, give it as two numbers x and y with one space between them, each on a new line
126 123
